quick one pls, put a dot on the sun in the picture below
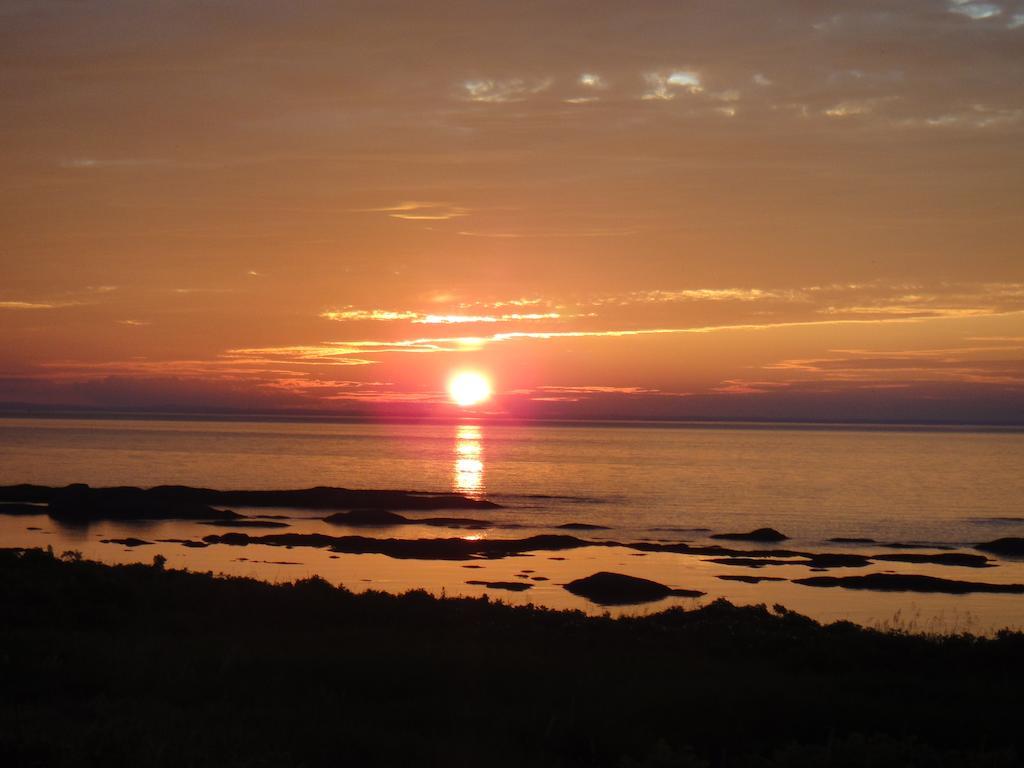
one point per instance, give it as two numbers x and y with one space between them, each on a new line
468 388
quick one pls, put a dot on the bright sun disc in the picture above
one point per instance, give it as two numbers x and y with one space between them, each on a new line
469 388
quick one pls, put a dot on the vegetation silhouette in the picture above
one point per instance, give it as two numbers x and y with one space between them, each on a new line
142 665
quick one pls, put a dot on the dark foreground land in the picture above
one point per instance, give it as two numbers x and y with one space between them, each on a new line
135 665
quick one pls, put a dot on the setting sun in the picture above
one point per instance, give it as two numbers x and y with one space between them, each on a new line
469 388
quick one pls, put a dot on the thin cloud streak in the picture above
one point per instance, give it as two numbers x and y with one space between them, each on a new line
419 318
27 305
467 343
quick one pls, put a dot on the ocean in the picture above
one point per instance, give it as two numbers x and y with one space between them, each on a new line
930 487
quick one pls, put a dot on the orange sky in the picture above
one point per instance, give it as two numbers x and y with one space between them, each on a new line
644 209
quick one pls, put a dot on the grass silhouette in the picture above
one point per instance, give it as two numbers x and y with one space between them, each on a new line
139 665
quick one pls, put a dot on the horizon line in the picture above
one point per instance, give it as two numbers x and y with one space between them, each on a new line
23 410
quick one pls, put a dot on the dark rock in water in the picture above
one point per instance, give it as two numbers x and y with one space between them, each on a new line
832 560
81 504
898 582
749 579
17 508
246 523
761 534
606 588
582 527
1010 545
961 559
26 493
185 543
539 578
413 549
131 541
511 586
234 539
752 562
383 517
814 561
906 545
368 517
472 566
852 540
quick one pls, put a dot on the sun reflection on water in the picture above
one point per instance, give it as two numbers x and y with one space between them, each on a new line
468 469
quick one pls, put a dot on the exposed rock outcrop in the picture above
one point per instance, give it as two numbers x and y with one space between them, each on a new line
607 588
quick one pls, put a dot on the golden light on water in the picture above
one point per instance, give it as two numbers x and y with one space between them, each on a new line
468 469
468 388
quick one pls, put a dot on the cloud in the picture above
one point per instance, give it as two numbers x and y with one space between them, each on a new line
874 299
974 11
515 89
337 351
28 305
970 365
92 163
661 296
663 86
420 211
352 314
510 317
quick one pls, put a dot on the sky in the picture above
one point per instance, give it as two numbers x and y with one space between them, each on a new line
764 210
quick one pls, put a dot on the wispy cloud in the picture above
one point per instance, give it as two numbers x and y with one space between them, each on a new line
338 350
974 10
424 318
974 365
186 291
351 314
414 210
874 299
514 89
28 305
88 163
664 86
506 318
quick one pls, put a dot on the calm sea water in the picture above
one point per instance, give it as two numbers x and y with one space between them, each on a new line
948 487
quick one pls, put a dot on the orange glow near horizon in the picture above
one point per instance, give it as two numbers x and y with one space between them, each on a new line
468 388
